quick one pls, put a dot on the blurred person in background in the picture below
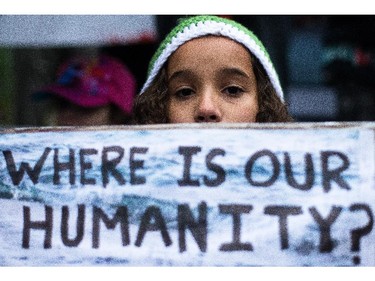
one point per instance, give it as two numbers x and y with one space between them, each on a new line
90 92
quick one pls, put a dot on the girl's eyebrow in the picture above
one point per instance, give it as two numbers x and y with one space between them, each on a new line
187 73
233 71
184 73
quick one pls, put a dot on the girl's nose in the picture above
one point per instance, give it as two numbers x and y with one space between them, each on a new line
208 109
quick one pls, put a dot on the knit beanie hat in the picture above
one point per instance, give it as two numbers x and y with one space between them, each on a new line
199 26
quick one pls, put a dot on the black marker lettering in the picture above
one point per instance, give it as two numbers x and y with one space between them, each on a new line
283 212
309 173
334 174
42 225
153 213
58 167
198 229
188 152
109 166
80 225
121 217
236 210
136 164
86 165
326 243
358 233
220 173
250 164
17 176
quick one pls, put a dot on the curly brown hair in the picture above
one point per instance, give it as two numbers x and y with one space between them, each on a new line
151 107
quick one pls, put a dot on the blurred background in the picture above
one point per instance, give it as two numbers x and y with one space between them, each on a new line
325 62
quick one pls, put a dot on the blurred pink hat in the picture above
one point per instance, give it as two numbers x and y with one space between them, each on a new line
93 83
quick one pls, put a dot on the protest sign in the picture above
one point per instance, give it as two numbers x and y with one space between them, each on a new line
188 195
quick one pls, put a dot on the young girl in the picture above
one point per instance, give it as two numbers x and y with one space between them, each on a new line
210 69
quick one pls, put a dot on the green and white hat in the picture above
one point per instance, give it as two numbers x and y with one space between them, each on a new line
199 26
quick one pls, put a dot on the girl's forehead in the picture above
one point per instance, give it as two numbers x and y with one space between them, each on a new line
210 50
209 57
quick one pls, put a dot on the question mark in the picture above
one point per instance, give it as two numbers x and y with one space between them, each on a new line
358 233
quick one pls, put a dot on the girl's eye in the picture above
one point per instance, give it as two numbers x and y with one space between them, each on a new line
184 93
233 91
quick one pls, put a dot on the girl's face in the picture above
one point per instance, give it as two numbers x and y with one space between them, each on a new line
211 79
